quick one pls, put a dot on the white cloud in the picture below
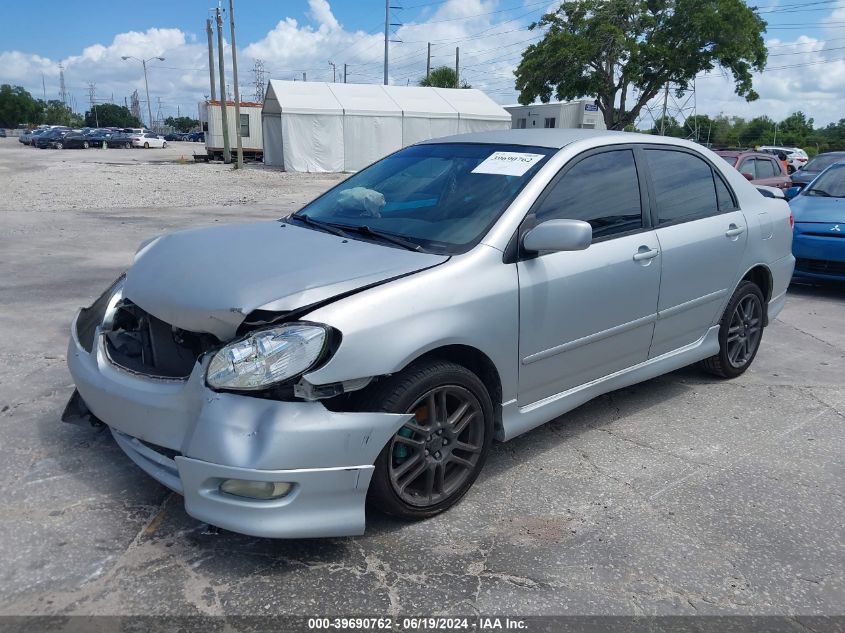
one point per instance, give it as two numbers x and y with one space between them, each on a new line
491 38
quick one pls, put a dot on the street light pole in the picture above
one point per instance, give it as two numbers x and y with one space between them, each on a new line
147 89
146 83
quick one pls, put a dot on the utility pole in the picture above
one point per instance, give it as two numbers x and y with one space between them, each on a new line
428 62
334 72
304 77
209 31
665 106
387 25
147 88
240 163
44 87
227 152
386 36
457 67
344 73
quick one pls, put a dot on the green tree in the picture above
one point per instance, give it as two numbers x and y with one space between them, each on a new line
57 113
111 115
18 107
182 123
443 77
624 52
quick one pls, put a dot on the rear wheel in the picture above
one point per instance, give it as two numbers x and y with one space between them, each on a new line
740 332
436 456
85 145
59 145
127 145
163 145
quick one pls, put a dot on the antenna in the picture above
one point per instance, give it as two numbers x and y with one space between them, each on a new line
260 79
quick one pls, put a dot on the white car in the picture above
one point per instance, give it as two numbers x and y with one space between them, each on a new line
796 157
148 140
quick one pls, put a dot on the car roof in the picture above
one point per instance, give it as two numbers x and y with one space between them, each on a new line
736 153
555 138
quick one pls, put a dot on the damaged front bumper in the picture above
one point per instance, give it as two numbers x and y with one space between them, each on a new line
191 439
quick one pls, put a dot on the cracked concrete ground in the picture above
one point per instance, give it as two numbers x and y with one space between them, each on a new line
682 495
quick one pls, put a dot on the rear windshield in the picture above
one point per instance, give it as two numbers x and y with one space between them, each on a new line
441 196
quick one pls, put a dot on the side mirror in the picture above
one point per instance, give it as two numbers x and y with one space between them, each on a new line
792 192
748 176
558 235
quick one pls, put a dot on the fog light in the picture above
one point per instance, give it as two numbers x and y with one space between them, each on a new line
255 489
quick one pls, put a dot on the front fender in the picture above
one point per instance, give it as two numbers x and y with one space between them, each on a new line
471 300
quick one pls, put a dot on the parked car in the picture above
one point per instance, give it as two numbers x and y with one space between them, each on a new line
197 137
796 157
175 136
25 137
98 138
120 140
2 132
759 168
50 137
819 238
148 140
259 383
73 140
818 164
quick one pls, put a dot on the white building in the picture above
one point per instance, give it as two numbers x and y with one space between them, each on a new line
211 121
571 114
326 127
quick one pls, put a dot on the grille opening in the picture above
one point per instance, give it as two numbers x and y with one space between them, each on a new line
144 344
820 266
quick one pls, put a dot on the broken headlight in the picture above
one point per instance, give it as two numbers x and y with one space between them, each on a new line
266 357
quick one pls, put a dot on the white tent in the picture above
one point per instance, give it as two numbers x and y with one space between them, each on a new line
314 126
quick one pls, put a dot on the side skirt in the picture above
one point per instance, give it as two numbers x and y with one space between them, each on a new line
517 420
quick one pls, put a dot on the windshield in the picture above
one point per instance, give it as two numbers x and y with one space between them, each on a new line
830 184
823 161
441 197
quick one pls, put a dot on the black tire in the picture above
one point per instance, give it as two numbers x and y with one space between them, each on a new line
60 145
163 145
127 146
85 145
400 394
146 146
723 364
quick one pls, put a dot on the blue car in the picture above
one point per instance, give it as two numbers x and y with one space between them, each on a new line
818 242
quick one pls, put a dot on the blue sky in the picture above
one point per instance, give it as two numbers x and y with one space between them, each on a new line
807 38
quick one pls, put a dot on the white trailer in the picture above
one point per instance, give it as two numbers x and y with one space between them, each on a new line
211 120
559 114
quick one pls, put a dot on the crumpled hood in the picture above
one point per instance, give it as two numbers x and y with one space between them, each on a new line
208 280
818 209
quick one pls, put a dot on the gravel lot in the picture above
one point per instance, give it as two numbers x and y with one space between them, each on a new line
683 495
133 178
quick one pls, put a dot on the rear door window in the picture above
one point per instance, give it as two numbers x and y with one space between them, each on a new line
683 186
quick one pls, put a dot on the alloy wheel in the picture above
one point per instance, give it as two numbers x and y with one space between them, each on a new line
435 453
745 330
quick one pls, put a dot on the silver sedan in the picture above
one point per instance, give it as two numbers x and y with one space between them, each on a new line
372 346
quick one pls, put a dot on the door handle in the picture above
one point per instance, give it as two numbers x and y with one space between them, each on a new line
734 230
645 253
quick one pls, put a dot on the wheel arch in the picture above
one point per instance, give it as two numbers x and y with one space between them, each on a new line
761 276
475 361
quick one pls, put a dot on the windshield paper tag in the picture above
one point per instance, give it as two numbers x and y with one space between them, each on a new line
507 163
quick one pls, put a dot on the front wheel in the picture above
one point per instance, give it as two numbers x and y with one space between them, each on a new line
163 145
59 146
127 145
740 332
431 462
85 145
